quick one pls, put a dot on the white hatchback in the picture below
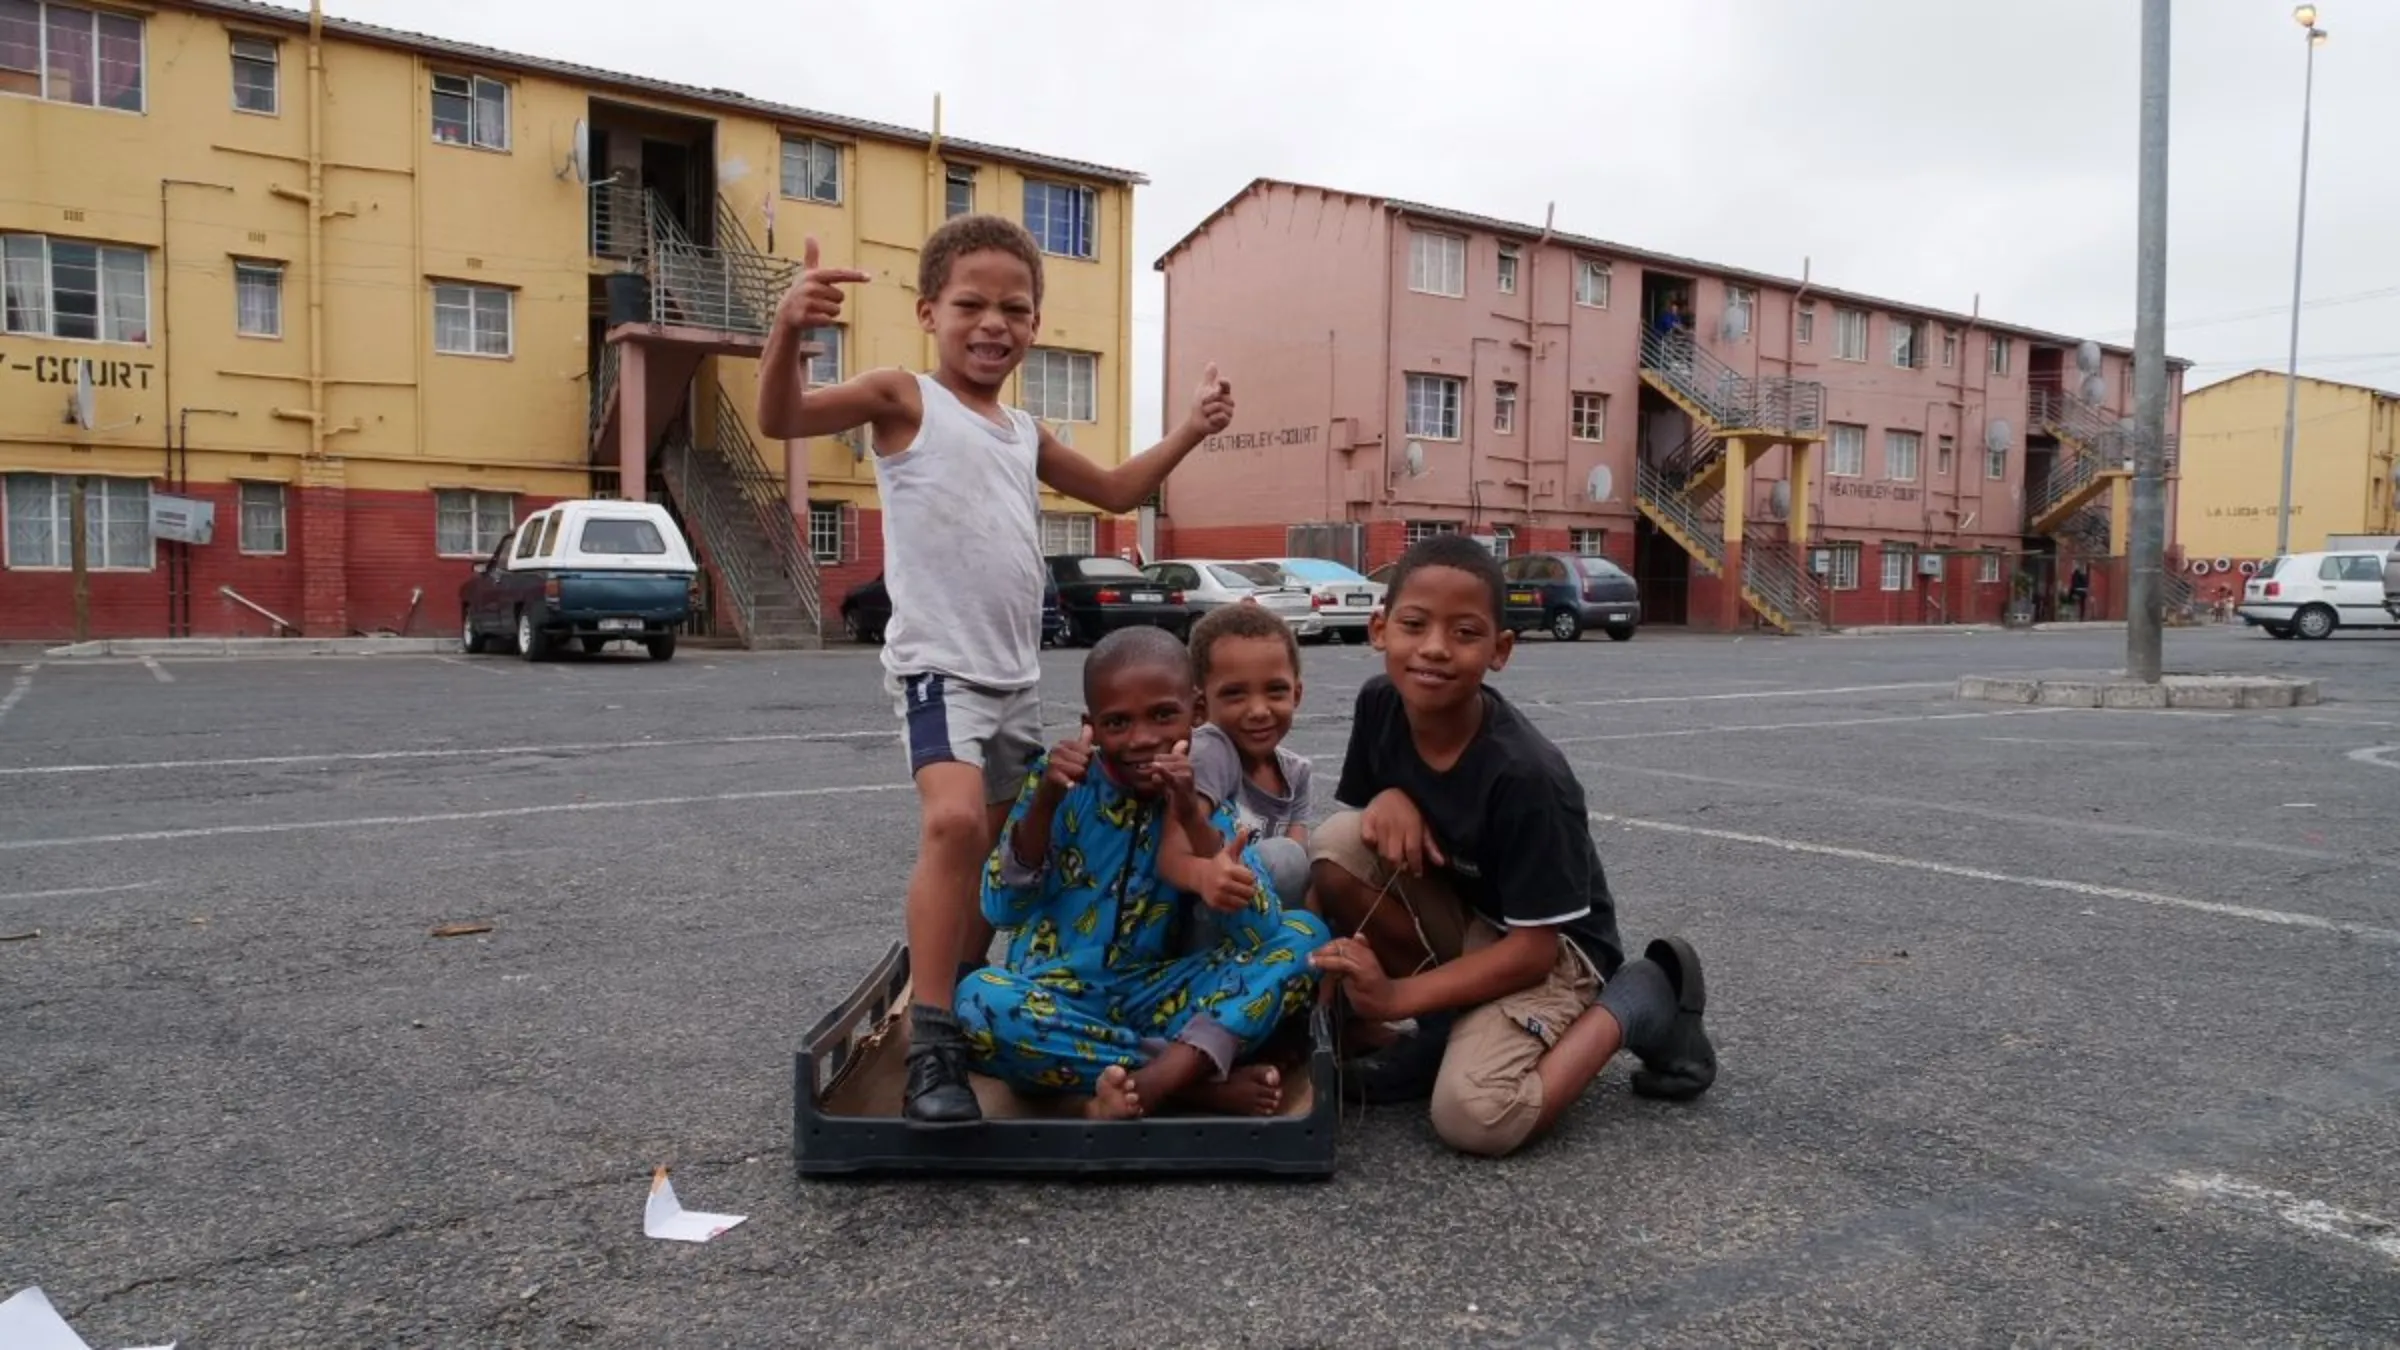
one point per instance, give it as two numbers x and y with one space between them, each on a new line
1207 583
2311 594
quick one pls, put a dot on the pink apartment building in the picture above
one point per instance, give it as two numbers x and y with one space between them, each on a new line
1792 455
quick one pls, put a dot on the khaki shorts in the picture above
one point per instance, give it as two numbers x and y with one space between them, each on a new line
1487 1096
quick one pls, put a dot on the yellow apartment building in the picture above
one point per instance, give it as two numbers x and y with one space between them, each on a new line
302 315
2345 466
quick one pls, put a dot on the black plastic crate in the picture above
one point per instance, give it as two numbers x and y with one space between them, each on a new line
843 1124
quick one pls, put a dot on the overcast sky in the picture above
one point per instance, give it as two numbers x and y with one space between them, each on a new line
1930 151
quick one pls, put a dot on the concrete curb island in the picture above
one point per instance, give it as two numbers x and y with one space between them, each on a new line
2114 690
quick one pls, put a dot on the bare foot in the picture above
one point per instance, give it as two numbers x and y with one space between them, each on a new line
1116 1098
1251 1090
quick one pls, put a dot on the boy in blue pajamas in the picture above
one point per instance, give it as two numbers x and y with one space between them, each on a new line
1092 998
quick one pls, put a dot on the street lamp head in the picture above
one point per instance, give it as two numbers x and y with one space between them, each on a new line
2305 16
2316 37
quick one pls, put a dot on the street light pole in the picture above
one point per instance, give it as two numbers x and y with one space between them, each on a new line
2144 641
2306 17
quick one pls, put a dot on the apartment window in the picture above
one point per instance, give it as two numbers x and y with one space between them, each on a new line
1591 283
1741 309
2003 352
1068 532
1057 386
1949 348
1805 326
262 518
1945 457
1901 450
1995 464
68 54
1898 561
1589 541
257 75
1841 567
1416 532
65 288
1849 457
1906 339
1433 406
469 524
1587 417
1508 269
812 169
1437 263
825 531
470 110
1504 408
826 366
1504 541
1849 335
41 515
1063 218
958 191
258 299
1987 569
473 320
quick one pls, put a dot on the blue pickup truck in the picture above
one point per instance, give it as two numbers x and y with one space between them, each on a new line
587 572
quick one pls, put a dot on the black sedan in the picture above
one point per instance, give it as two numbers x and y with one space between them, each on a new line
868 607
1566 593
1102 594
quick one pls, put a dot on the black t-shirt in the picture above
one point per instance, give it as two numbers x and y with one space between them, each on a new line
1509 816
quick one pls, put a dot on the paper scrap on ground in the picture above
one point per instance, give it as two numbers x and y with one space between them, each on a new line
28 1322
665 1217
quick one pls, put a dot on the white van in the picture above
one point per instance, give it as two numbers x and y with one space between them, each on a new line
2311 594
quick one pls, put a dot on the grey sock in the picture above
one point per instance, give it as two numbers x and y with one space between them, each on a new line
1642 999
928 1025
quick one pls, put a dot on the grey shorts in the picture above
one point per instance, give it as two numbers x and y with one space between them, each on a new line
944 720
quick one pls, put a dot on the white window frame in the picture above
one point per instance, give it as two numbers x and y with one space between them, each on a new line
480 91
1075 532
1907 342
1415 532
1059 385
1741 310
1846 442
1949 348
820 159
46 68
478 505
1434 404
1504 407
1805 325
1850 335
1082 239
1903 454
252 272
1505 273
1987 569
825 531
1842 564
1588 541
1995 465
254 53
29 262
463 297
1899 564
1437 263
1945 457
1504 541
954 178
826 366
2000 353
1593 281
1587 416
269 505
100 511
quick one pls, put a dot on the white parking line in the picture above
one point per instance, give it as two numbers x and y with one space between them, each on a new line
1804 726
2377 1235
73 891
2276 917
157 671
1744 694
436 818
16 690
2381 756
477 752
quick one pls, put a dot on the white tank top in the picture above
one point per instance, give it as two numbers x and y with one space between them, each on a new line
962 546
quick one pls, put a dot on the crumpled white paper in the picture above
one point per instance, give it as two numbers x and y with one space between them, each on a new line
665 1217
28 1322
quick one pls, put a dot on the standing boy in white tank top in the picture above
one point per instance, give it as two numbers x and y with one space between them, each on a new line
961 480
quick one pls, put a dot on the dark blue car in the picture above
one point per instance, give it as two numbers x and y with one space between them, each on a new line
1565 593
867 608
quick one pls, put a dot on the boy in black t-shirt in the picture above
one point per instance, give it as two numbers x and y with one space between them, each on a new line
1465 866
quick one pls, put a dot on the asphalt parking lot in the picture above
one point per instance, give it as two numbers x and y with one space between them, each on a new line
2038 1026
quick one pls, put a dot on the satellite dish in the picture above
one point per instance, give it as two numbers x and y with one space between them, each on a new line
1779 500
82 408
2087 357
2095 388
1415 459
1999 436
581 163
1599 484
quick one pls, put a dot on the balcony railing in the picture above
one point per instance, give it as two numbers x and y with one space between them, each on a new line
727 287
1731 400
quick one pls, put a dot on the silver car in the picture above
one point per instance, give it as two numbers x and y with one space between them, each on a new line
1344 600
1207 583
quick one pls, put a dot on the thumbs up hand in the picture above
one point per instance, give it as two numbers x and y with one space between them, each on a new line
1212 405
1230 886
1070 762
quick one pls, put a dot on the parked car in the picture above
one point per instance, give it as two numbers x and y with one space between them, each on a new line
1565 593
591 572
1208 584
1100 594
867 610
1343 598
2391 584
2310 595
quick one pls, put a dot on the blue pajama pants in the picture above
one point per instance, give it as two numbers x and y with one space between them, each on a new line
1054 1027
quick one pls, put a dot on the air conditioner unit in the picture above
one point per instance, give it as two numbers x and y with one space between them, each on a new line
602 496
1929 565
1820 561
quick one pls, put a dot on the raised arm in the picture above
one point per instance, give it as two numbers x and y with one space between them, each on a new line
1130 484
788 409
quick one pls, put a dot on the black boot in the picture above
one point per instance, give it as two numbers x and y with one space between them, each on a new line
938 1093
1680 1062
1404 1070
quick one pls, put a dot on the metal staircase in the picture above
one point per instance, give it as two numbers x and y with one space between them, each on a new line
734 504
2094 450
1778 585
1710 391
729 287
1658 497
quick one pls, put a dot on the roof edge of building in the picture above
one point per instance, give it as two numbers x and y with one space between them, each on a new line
2261 372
